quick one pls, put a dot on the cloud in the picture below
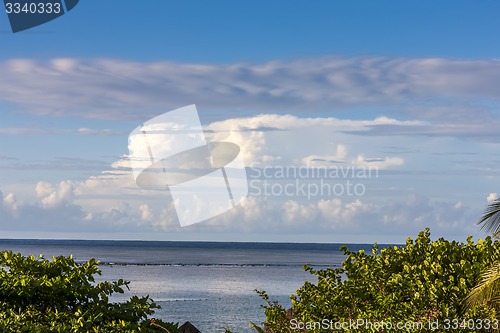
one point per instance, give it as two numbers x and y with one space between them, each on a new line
105 206
146 213
315 160
294 139
472 130
10 203
379 162
53 196
332 219
57 163
79 207
47 214
110 202
137 90
24 131
40 131
492 197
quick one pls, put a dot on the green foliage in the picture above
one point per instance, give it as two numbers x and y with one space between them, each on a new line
276 315
39 295
423 282
487 291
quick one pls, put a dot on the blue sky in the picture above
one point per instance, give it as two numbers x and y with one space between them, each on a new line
257 31
408 87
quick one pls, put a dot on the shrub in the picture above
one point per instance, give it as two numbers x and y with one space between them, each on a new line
39 295
421 283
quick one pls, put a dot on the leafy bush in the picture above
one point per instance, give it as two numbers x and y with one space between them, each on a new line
38 295
422 283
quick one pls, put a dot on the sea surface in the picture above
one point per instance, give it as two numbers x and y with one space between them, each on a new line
210 284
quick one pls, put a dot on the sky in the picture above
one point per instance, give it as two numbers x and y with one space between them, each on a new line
397 102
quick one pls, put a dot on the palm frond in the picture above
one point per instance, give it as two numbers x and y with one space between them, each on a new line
487 289
490 220
257 328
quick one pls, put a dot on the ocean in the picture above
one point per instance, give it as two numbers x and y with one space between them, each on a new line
210 284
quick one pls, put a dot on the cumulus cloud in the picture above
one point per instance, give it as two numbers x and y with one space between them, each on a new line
492 197
78 207
103 206
46 214
111 201
53 196
296 137
146 213
123 88
11 203
332 219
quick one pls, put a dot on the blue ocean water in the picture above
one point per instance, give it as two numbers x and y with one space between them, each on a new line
209 284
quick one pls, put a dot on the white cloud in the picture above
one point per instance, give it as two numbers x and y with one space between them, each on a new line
339 216
149 213
288 140
295 213
112 202
492 197
53 196
146 214
11 203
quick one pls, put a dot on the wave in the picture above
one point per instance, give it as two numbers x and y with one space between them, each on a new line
180 299
228 265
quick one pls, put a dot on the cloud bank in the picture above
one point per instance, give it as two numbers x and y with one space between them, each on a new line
111 88
434 126
389 207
